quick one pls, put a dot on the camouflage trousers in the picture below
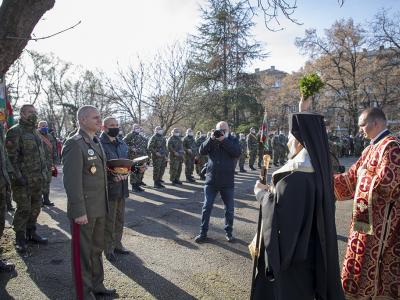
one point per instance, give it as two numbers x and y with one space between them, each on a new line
260 157
279 156
136 178
158 168
242 160
29 203
175 169
201 161
189 166
252 157
2 209
114 225
46 186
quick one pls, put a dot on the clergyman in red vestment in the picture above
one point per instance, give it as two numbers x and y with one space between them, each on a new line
371 268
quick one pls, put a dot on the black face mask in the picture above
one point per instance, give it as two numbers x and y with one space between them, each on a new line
113 132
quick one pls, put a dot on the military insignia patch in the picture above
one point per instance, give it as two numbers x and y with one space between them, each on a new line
93 169
90 151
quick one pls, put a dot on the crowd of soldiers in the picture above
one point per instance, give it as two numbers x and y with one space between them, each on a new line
347 145
30 153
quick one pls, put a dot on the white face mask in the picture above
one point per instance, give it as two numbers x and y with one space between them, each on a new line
177 134
160 131
253 131
190 133
137 130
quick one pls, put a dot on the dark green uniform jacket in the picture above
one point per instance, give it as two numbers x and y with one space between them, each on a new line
85 176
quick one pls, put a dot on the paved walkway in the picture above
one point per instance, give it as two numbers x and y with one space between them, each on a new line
164 263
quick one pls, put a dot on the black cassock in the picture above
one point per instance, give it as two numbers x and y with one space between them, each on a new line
299 240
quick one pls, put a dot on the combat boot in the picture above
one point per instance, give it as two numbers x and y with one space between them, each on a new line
252 168
46 200
5 266
190 179
32 236
158 185
20 242
243 170
136 188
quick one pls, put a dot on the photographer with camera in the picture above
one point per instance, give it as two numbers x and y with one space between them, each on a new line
222 150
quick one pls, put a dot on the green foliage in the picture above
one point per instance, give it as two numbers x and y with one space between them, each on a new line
310 84
245 128
222 49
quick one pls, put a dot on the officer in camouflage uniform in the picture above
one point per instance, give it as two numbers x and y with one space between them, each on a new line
201 160
157 148
189 146
252 147
175 149
137 147
50 150
5 167
26 153
243 154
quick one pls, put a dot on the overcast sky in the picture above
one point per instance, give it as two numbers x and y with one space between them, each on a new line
120 30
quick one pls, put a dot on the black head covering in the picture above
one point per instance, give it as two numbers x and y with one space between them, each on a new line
309 129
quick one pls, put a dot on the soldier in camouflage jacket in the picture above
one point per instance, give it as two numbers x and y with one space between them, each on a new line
137 147
175 148
189 146
26 153
158 150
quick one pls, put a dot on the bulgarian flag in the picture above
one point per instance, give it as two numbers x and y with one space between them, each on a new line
6 111
264 131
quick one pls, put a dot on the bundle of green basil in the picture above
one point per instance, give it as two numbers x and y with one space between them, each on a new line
310 84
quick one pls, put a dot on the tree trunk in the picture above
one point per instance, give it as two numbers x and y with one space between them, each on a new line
18 19
355 121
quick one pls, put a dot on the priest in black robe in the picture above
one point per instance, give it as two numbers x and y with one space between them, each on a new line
298 250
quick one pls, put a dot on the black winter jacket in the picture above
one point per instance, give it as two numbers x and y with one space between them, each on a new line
221 163
114 150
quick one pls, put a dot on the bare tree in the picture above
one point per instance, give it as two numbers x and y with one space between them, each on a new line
127 91
385 30
18 18
339 58
171 92
15 78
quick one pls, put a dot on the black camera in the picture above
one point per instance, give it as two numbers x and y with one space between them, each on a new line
218 133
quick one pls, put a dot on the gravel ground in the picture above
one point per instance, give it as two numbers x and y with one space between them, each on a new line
164 263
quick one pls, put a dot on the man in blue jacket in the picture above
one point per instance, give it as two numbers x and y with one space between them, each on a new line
114 148
223 150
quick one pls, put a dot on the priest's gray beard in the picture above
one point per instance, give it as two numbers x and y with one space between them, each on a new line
292 146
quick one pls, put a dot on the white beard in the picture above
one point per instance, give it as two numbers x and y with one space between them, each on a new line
292 147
